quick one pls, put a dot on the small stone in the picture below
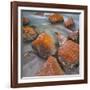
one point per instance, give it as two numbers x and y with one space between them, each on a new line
56 18
29 33
25 20
60 38
69 23
74 36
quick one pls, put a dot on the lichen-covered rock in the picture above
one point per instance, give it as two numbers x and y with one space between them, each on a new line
68 56
69 51
50 67
56 18
44 45
29 33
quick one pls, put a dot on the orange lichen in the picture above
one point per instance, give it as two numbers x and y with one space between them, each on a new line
55 17
45 40
69 51
28 29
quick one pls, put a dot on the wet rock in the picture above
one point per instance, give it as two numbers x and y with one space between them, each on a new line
74 36
68 55
44 45
69 23
25 21
50 67
29 33
60 38
69 51
55 18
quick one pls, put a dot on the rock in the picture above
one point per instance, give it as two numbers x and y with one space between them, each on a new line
69 51
56 18
50 67
25 20
68 56
74 36
44 45
69 23
60 38
29 33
